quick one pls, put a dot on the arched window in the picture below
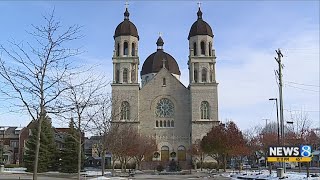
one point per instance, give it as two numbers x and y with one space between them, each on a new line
203 48
157 123
164 153
164 123
133 49
125 110
195 74
164 82
117 75
125 48
160 123
172 123
118 49
210 49
204 110
204 75
125 75
181 153
194 49
168 123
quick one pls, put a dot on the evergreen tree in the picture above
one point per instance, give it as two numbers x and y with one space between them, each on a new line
47 148
69 155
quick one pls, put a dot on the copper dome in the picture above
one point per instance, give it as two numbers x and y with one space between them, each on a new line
200 27
126 27
155 61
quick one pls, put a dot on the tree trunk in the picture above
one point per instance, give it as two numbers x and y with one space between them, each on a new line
35 167
113 165
103 161
308 170
224 163
201 161
79 152
270 167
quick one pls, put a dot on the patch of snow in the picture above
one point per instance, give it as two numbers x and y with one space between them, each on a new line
95 173
111 178
15 170
264 174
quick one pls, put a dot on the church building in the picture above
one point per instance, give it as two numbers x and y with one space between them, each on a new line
159 105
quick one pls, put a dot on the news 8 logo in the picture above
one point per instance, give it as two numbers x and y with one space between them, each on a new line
305 151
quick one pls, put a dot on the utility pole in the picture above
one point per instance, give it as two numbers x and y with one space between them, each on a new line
279 72
266 123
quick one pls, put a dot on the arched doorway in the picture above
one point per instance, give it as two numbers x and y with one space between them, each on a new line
181 153
164 153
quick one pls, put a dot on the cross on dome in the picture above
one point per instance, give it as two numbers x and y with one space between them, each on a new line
199 4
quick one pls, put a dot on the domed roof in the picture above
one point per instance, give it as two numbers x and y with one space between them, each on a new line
200 27
126 27
156 60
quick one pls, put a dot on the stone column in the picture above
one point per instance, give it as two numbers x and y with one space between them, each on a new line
114 72
129 74
192 72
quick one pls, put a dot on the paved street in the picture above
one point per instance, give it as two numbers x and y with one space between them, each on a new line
8 176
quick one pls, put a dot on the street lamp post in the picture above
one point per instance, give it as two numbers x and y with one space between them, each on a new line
278 128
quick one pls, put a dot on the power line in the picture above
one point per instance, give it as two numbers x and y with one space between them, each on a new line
303 84
300 88
301 110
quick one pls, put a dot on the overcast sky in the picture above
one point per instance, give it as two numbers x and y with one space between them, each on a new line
246 35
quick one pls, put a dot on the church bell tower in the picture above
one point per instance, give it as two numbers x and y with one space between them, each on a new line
203 85
125 86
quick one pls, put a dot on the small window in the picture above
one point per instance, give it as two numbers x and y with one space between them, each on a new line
204 75
172 123
125 48
125 75
164 81
133 50
147 78
125 110
203 48
168 123
164 123
157 123
204 110
194 49
160 123
210 49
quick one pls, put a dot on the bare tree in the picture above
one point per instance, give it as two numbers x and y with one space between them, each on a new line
145 147
80 100
298 134
33 72
102 126
197 154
